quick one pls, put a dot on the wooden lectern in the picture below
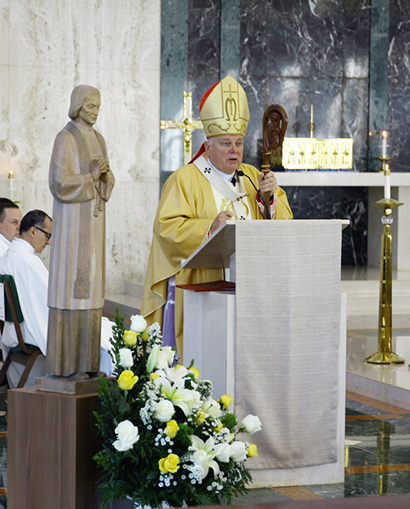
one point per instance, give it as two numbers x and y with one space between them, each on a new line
278 344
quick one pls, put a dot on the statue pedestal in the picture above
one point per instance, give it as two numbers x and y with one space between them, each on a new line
52 439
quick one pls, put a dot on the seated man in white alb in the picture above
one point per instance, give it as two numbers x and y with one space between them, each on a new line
31 278
10 218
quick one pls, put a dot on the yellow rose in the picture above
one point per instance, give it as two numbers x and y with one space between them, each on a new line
153 376
200 417
127 380
252 450
130 337
169 464
219 427
144 335
226 400
195 371
172 428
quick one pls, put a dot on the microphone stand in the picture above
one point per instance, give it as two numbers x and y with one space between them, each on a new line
240 173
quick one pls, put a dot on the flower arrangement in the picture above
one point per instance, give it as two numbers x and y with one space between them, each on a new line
166 441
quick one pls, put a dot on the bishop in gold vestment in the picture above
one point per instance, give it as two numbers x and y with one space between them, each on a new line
191 207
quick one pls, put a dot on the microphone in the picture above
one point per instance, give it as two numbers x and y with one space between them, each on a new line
240 173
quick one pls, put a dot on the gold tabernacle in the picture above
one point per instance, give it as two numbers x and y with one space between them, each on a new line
317 154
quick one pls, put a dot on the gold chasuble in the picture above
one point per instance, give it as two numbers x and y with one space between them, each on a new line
185 213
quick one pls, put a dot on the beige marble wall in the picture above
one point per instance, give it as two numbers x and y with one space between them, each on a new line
47 47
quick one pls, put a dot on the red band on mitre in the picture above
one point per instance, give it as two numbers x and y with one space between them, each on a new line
206 95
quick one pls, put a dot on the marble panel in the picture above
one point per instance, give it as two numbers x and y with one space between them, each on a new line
357 408
356 38
398 87
354 113
204 53
383 483
336 203
306 38
378 78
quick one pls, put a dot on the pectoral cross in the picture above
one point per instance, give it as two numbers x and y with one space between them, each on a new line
187 125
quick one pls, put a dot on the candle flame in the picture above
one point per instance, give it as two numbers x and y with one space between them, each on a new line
11 174
384 134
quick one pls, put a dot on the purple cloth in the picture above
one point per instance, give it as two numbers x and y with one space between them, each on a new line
168 328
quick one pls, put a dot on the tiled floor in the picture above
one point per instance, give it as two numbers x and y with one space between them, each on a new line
377 454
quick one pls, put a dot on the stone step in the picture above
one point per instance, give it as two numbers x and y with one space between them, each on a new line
128 303
363 303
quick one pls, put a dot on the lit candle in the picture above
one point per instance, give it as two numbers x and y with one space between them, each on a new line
387 182
11 185
384 144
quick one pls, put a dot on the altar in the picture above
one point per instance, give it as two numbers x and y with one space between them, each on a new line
278 344
400 183
362 286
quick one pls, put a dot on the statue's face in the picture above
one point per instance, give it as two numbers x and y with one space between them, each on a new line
89 110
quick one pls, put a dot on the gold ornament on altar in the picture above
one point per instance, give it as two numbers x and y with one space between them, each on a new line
317 153
187 125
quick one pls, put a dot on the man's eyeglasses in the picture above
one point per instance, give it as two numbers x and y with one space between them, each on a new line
48 235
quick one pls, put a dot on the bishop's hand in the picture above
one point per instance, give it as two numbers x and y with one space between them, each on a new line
220 219
267 183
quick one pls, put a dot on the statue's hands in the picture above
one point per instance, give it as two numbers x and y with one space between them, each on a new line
267 183
100 169
220 219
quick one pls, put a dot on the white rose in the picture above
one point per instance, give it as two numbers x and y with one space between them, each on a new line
127 435
252 424
126 358
164 410
138 323
238 451
222 452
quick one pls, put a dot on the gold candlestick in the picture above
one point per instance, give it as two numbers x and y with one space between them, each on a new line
385 355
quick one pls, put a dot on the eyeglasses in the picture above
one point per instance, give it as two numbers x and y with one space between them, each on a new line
48 235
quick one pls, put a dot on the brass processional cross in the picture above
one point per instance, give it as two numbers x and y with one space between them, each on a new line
187 125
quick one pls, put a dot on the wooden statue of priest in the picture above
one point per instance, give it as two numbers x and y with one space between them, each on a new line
80 181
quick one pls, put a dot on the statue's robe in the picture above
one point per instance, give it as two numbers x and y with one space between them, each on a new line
77 259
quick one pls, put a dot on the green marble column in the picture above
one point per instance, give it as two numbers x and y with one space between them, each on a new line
174 74
378 79
230 38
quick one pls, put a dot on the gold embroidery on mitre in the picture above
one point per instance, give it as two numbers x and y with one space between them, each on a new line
225 110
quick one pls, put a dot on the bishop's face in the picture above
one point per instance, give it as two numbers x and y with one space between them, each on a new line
89 110
225 152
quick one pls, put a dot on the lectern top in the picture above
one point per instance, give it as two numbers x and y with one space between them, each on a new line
215 252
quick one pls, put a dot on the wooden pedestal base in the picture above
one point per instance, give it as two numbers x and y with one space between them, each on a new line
51 441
